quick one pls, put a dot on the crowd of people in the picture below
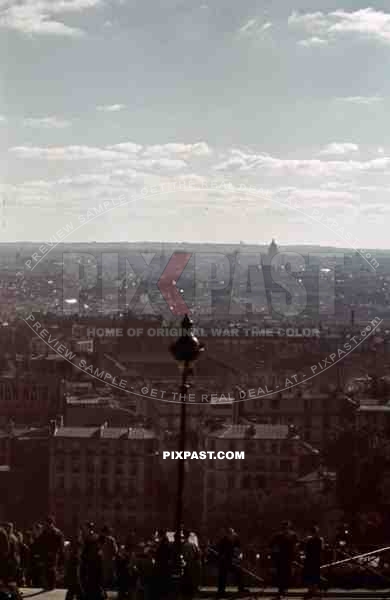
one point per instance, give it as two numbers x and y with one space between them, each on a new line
164 567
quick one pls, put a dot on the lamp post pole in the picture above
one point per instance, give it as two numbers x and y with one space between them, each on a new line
182 443
185 350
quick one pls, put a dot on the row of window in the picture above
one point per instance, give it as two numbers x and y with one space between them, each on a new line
233 478
92 486
76 466
254 446
101 446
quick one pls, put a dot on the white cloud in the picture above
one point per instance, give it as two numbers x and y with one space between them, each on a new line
171 156
127 147
254 28
41 16
111 107
46 122
337 148
248 26
366 23
184 150
363 100
243 163
157 164
313 41
2 118
65 153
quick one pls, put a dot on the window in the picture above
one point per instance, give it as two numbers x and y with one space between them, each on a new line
260 481
286 466
211 480
231 481
76 467
246 482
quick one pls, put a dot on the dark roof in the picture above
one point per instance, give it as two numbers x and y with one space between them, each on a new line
374 408
258 432
107 433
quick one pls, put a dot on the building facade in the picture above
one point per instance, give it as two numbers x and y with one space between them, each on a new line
274 457
102 474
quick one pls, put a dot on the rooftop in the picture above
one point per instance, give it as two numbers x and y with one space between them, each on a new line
374 408
317 476
108 433
259 432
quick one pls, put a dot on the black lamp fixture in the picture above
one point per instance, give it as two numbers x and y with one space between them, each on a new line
187 348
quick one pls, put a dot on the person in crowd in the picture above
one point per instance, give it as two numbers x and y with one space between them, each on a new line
311 570
109 551
4 554
192 565
164 567
51 544
283 547
126 572
73 571
13 555
229 557
92 572
36 556
146 587
24 552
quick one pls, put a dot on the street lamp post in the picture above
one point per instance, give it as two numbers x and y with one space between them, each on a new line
185 350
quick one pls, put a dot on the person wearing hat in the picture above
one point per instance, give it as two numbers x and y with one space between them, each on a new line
283 546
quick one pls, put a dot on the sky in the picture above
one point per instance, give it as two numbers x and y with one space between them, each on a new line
100 98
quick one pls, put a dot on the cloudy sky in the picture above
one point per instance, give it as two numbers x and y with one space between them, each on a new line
99 98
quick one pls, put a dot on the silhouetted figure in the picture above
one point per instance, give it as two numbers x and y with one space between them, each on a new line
51 544
36 556
164 567
109 552
73 572
92 576
283 546
146 586
4 554
311 569
229 558
192 565
24 559
13 554
126 573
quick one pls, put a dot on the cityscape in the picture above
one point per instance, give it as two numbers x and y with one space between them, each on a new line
91 403
194 299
